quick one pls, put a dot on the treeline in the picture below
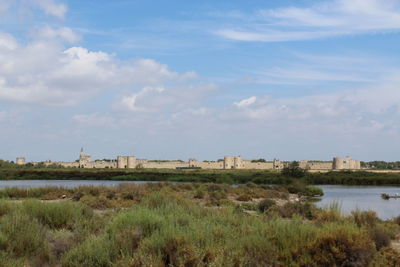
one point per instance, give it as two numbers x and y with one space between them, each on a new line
11 165
229 177
353 178
382 165
208 176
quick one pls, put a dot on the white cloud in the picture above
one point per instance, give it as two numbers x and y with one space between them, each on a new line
360 106
44 72
245 102
167 98
62 33
52 7
130 102
7 42
322 20
310 70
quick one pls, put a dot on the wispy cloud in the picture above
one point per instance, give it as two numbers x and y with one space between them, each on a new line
52 7
322 20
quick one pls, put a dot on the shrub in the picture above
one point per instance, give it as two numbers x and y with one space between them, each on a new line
95 251
60 242
311 191
341 245
397 220
100 202
290 209
7 261
57 215
302 189
217 195
380 237
245 206
140 219
388 257
365 218
5 207
22 236
265 204
293 170
251 185
244 197
199 194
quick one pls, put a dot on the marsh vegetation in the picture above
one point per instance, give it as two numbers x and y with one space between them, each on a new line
187 224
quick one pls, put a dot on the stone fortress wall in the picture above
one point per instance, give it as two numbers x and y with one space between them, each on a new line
228 163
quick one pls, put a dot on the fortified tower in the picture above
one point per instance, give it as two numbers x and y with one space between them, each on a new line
192 162
232 162
20 161
277 164
83 159
126 162
131 162
346 163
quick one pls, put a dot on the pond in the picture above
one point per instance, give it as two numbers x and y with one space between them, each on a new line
362 197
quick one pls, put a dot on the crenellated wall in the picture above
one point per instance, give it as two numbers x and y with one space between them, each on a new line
229 162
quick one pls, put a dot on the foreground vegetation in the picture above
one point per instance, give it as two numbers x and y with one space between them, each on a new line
209 176
186 225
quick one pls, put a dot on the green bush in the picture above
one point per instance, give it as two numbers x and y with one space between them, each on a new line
365 218
244 197
95 251
21 235
291 209
388 257
265 204
341 245
57 215
380 237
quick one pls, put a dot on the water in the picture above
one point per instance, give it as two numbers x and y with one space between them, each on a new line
363 198
62 183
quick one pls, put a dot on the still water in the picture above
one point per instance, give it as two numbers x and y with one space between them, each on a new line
348 197
363 198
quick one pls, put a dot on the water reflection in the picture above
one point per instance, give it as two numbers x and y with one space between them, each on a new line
363 198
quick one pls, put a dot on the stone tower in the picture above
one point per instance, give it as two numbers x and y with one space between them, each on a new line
20 161
83 159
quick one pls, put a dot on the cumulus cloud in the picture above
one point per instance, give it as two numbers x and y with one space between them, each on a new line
44 72
321 20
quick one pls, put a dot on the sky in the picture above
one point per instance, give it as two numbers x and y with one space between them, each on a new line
289 79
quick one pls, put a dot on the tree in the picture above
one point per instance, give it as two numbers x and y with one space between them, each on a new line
294 170
259 160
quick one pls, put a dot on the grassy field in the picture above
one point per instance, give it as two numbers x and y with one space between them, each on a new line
210 176
186 225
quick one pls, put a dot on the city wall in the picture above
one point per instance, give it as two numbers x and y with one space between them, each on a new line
228 163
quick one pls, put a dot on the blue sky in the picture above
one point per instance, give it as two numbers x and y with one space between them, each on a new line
178 79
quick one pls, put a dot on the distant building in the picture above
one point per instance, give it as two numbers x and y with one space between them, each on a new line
228 163
346 163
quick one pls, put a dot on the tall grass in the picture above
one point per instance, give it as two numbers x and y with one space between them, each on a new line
168 228
57 215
